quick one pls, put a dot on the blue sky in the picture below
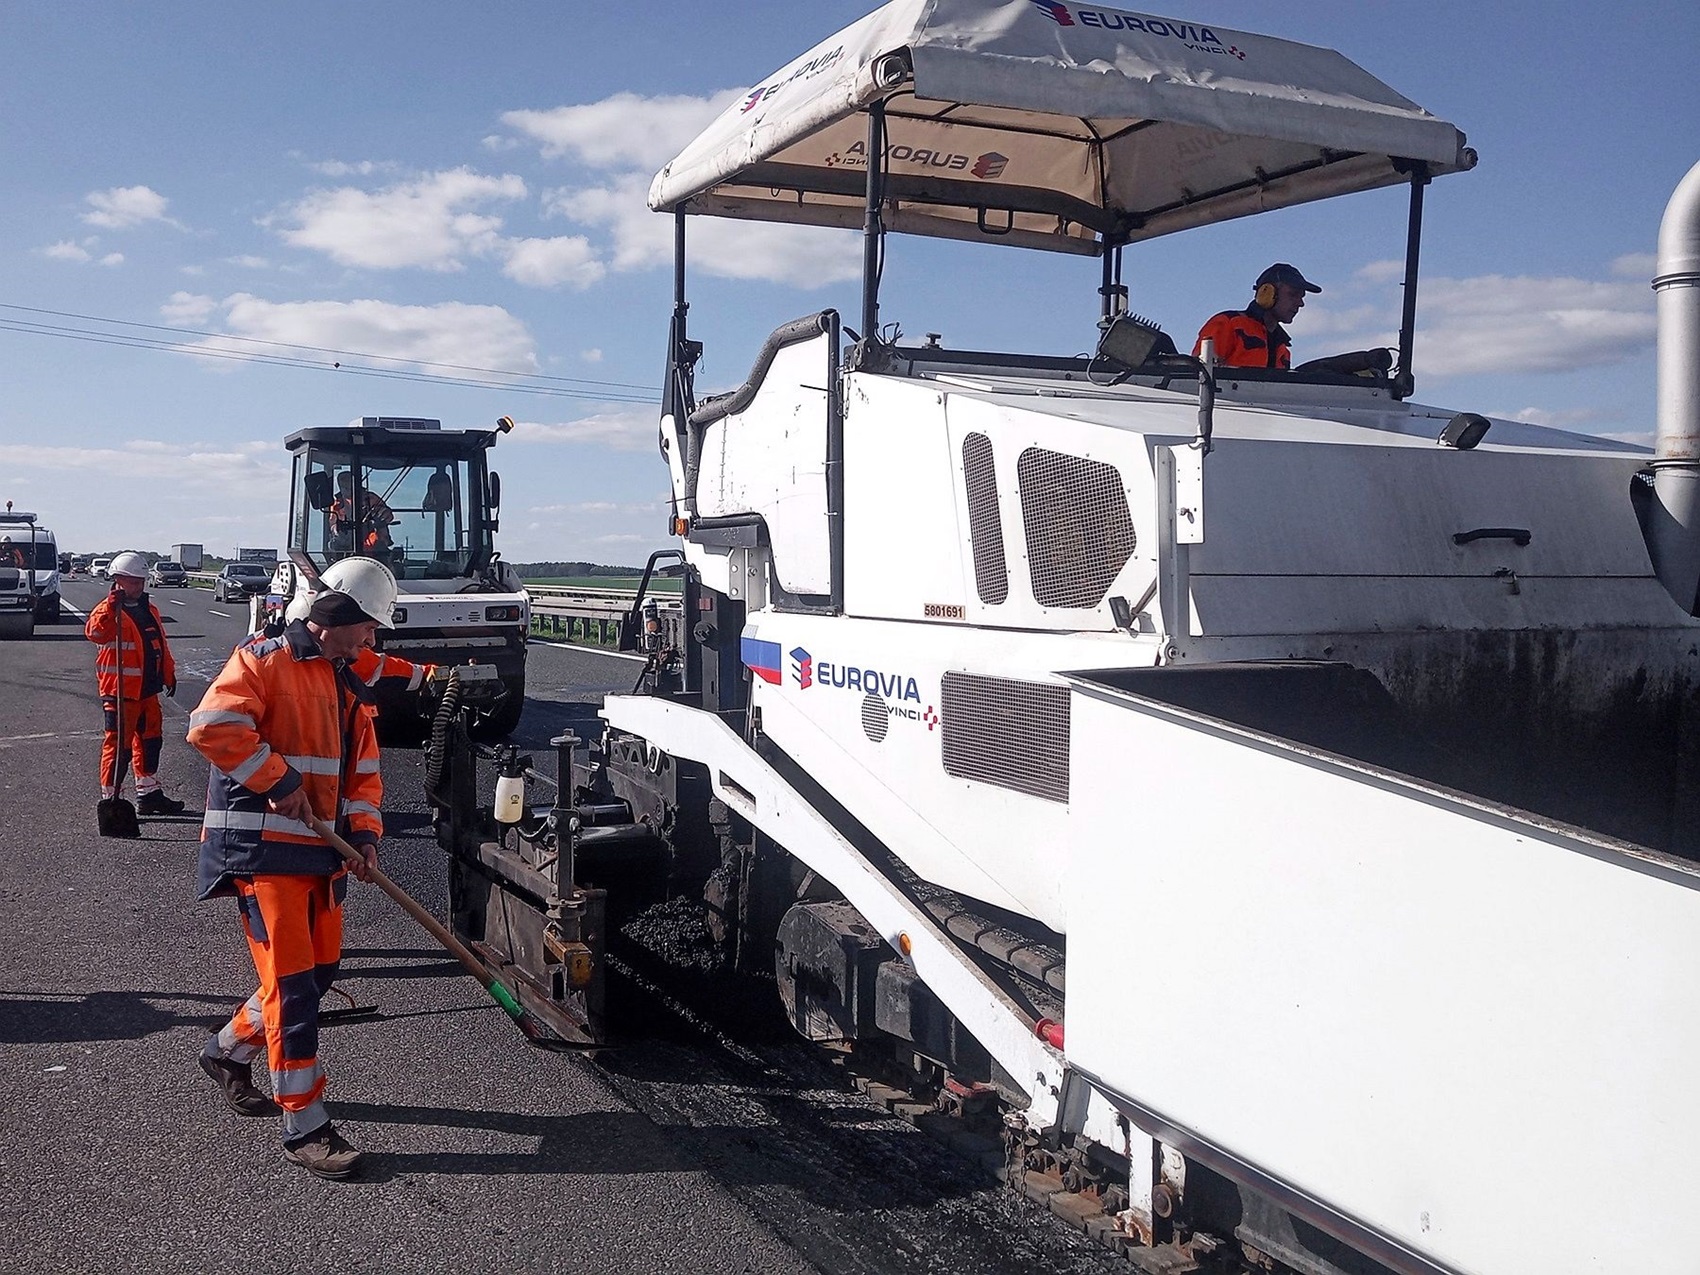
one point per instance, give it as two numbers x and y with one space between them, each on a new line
459 184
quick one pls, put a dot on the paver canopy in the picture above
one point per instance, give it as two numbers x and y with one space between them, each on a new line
1050 124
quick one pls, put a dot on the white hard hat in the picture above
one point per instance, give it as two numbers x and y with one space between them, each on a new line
369 582
129 563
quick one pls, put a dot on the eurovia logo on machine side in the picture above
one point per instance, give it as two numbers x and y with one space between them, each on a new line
898 693
893 696
1200 39
807 671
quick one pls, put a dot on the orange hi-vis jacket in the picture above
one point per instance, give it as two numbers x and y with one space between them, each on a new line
142 652
1244 339
377 520
280 716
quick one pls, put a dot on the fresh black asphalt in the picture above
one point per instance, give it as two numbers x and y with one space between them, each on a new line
680 1150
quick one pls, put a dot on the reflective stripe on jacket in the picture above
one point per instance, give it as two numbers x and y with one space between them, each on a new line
1244 340
280 716
143 645
371 668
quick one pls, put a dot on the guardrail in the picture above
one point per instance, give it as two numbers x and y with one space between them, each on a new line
585 615
571 614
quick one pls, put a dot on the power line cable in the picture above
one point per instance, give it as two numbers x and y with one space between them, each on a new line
319 349
618 392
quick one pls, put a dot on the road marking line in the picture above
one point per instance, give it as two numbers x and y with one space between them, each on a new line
31 739
225 614
174 602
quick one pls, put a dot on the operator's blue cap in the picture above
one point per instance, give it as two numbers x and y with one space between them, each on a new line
1281 272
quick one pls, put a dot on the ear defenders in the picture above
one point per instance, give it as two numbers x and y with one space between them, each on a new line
1265 296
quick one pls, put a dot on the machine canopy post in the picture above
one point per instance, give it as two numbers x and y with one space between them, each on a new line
873 225
1111 292
678 387
1404 382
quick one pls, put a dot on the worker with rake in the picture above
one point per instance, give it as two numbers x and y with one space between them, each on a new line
290 742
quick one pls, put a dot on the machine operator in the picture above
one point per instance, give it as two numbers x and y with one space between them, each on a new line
372 525
1254 336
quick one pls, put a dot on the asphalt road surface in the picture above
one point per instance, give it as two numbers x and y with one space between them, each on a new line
682 1149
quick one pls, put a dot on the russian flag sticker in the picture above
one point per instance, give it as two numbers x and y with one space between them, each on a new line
762 658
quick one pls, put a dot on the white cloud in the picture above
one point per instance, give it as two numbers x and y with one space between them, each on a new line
1387 271
803 256
1488 323
452 332
339 168
249 469
599 507
249 262
431 223
1508 325
549 263
1636 265
68 250
629 136
1559 418
626 430
124 206
221 492
624 131
187 307
592 355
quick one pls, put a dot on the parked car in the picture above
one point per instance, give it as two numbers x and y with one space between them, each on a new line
98 567
166 572
239 580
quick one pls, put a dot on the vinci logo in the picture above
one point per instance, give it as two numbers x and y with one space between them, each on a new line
990 165
1056 12
803 667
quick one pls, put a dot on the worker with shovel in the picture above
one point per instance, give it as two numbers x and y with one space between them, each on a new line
290 743
132 667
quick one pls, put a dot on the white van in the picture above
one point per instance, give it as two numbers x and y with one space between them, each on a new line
20 537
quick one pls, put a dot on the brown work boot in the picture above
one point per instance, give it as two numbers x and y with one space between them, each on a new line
235 1082
324 1153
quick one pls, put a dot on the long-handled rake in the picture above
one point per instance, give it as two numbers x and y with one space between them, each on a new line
528 1024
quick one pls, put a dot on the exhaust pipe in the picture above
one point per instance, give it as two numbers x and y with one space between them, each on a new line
1670 512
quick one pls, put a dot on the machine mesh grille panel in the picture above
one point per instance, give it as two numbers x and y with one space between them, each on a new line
1079 530
1012 734
985 527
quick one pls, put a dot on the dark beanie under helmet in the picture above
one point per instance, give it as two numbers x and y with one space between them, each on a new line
332 610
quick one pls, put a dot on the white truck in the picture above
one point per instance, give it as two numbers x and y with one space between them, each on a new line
189 555
1281 791
421 499
33 551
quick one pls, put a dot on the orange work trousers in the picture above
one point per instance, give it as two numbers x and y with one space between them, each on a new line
143 731
294 929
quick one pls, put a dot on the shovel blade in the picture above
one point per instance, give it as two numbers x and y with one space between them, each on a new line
117 818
